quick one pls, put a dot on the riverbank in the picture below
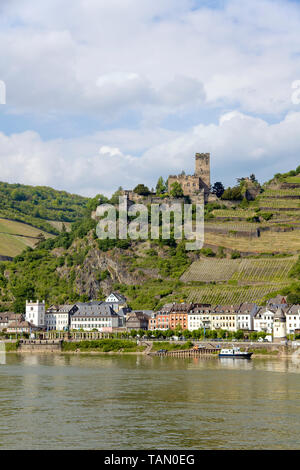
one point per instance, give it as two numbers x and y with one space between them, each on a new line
117 346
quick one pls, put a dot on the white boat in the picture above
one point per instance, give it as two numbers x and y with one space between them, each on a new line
235 352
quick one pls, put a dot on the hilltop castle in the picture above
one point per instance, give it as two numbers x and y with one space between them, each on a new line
196 186
199 182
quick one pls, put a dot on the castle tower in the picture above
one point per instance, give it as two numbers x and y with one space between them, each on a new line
202 167
279 326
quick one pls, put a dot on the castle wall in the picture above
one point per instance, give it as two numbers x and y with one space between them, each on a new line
190 184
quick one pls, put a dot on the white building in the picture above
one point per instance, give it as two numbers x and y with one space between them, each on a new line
35 313
263 320
95 316
293 319
116 301
245 316
199 317
58 317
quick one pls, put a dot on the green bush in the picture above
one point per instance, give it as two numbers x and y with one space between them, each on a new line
101 345
9 347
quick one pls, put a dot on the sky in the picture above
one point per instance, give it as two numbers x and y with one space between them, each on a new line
109 93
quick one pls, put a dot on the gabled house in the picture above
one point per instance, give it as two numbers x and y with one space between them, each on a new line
293 319
116 301
225 317
245 317
7 318
137 320
58 317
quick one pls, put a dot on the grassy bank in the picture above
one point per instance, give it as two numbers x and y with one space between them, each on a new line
170 346
102 345
11 347
263 352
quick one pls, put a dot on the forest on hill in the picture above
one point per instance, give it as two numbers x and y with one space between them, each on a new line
36 205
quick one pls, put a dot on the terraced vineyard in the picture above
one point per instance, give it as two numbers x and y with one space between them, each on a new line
210 270
293 179
231 213
232 226
281 242
281 192
279 203
230 295
263 270
241 270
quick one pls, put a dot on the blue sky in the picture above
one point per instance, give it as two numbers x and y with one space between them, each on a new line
107 93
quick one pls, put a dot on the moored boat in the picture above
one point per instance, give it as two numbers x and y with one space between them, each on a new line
235 352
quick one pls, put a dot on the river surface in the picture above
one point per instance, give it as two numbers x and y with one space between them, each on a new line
139 402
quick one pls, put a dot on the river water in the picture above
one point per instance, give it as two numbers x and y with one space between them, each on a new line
139 402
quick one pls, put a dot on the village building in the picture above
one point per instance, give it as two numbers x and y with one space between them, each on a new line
95 316
263 320
35 313
245 316
199 317
160 320
292 319
137 320
225 317
116 301
152 324
58 317
278 301
7 318
178 316
21 326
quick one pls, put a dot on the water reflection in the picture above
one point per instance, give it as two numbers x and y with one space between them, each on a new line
127 402
235 363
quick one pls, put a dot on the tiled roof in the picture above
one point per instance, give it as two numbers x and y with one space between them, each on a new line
94 309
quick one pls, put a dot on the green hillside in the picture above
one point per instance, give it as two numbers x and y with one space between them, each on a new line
16 236
251 252
27 211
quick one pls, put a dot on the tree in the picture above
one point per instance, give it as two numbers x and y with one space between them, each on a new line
22 292
133 333
161 186
115 197
252 178
218 189
176 190
239 334
240 181
41 238
142 190
232 194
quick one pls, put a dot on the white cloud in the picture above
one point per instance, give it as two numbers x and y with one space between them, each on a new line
112 59
238 144
92 56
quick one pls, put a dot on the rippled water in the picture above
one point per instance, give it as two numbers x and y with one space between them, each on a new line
137 402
